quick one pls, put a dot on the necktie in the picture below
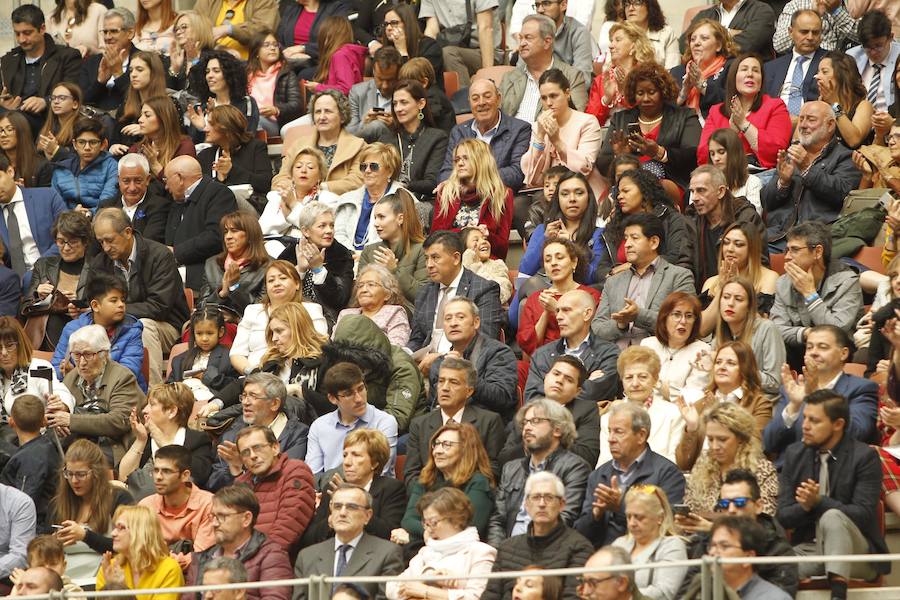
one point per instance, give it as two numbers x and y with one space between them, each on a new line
874 85
439 313
823 472
16 255
795 96
342 559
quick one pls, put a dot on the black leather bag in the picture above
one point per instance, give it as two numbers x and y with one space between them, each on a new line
458 35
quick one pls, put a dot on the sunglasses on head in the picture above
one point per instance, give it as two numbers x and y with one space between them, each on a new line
724 503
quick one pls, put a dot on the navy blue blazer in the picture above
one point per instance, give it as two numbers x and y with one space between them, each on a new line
508 146
776 70
42 205
862 394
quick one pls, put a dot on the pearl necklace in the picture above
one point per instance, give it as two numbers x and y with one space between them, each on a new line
651 122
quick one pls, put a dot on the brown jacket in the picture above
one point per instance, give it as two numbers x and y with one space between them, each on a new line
258 15
343 175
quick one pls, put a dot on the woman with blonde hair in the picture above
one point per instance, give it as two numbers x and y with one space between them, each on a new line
162 138
192 34
734 378
475 196
55 137
400 249
294 348
141 559
147 76
377 295
628 47
732 442
706 60
354 223
651 538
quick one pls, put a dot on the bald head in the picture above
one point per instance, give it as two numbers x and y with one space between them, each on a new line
180 174
484 100
815 125
574 312
38 580
186 165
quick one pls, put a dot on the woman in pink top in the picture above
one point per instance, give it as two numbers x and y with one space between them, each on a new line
341 63
763 123
562 135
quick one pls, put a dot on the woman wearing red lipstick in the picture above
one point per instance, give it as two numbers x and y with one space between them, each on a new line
763 123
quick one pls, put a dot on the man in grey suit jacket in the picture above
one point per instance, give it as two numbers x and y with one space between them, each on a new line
631 298
370 101
535 57
351 551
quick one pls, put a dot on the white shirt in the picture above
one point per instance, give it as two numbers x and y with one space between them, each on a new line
727 16
867 74
444 345
789 420
531 99
490 133
456 417
112 80
337 550
178 440
29 247
131 210
789 77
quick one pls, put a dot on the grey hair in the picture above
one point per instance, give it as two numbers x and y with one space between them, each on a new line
546 26
387 280
352 486
131 160
558 415
545 477
640 418
116 216
343 104
272 385
461 364
618 556
92 336
716 175
473 308
311 212
128 20
236 571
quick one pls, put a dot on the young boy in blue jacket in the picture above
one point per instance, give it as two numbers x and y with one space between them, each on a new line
91 174
107 297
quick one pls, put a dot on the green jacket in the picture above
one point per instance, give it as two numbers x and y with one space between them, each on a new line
479 491
411 271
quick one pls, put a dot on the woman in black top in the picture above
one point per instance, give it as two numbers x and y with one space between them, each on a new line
400 29
235 157
17 143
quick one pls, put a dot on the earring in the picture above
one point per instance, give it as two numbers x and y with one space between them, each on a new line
421 115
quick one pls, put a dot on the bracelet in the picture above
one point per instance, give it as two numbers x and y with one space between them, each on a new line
811 298
317 270
745 127
603 102
536 146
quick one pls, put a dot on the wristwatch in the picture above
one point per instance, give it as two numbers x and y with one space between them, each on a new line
838 110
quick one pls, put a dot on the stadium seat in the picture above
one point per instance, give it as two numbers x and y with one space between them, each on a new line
776 263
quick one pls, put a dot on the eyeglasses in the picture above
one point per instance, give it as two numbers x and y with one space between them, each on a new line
60 98
111 31
721 546
349 506
61 242
432 523
445 444
796 249
88 356
542 498
724 503
680 316
7 131
458 160
181 28
365 285
275 45
393 23
254 449
590 583
349 394
245 397
88 143
76 475
634 3
220 517
534 421
545 4
166 472
9 347
374 166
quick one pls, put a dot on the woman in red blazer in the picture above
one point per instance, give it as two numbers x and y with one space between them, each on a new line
475 196
763 123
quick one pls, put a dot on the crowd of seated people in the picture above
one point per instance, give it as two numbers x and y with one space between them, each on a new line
594 307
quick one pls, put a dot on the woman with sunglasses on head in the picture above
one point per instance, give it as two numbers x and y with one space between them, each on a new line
651 538
54 140
17 143
273 84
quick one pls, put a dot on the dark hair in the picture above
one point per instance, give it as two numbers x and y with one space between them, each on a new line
655 74
239 497
207 312
89 125
450 240
894 109
28 413
804 11
847 80
842 338
418 92
102 283
731 83
651 225
652 191
575 363
623 159
251 429
233 71
341 377
30 14
613 12
588 224
815 233
81 9
835 406
656 20
556 171
556 76
5 164
232 123
574 251
551 585
73 223
744 476
736 172
388 56
178 454
666 308
26 156
752 534
253 64
258 258
410 27
873 24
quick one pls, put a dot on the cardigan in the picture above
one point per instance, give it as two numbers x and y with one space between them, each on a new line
498 231
583 137
773 122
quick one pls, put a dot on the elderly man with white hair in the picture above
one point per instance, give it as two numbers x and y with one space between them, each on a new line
142 198
104 391
813 176
548 542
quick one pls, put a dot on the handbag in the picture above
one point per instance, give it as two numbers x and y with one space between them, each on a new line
458 35
58 303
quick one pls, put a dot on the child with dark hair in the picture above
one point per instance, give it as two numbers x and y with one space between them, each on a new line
33 468
541 200
106 294
91 175
206 367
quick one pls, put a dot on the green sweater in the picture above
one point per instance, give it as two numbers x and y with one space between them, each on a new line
479 491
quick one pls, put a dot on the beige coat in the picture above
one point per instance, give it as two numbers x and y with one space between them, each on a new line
343 175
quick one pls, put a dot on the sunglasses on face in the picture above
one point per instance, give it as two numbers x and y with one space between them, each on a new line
724 503
375 167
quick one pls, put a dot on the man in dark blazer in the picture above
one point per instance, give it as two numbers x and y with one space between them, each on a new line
828 494
827 351
351 551
106 76
806 54
142 198
30 71
375 94
34 210
752 26
494 361
155 289
443 259
602 517
457 381
193 229
507 136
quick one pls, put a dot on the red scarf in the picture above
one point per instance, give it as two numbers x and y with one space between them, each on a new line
693 97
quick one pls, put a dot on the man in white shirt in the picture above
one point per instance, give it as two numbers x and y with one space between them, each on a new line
792 77
875 58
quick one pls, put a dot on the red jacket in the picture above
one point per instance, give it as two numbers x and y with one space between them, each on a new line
772 121
498 233
286 491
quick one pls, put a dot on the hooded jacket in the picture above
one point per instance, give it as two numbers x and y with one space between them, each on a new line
97 181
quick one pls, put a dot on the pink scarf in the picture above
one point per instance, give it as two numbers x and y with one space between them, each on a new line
262 85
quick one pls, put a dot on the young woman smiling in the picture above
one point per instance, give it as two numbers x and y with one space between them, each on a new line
162 139
220 79
147 76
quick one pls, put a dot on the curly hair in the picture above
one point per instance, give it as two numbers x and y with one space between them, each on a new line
233 71
343 104
643 49
655 74
707 472
473 458
656 19
575 253
728 47
652 195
